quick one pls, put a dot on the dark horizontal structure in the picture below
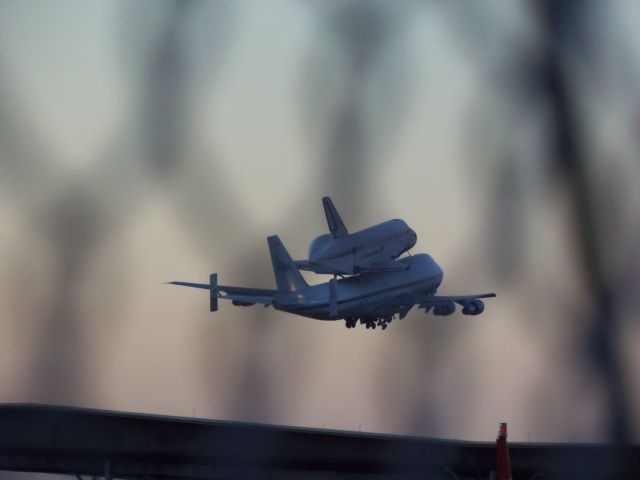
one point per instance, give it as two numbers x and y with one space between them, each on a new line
38 438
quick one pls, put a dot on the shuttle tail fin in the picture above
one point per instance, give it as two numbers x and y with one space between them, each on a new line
288 277
336 227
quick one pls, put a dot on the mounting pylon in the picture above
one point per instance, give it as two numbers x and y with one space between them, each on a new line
502 454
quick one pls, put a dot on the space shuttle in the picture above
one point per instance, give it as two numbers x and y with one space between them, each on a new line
374 249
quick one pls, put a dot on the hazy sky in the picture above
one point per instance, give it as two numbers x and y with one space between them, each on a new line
147 142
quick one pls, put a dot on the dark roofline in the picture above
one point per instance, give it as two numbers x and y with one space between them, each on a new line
239 424
59 439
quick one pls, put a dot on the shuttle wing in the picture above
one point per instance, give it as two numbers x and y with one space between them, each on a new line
373 268
385 267
304 265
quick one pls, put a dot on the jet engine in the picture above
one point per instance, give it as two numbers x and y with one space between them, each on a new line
240 303
473 307
445 308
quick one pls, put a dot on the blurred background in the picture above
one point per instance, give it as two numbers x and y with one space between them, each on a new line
142 142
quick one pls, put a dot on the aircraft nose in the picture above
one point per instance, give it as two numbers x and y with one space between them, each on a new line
438 269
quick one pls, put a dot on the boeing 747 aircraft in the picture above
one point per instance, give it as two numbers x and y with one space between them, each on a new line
372 298
373 249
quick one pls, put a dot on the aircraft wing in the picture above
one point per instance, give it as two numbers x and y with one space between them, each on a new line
435 299
445 304
238 295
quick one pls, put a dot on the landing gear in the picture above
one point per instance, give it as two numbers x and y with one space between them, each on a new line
350 322
369 322
374 322
384 321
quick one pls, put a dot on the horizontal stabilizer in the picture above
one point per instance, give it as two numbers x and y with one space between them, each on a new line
238 295
204 286
242 295
303 265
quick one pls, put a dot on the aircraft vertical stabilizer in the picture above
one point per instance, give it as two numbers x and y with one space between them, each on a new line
336 227
288 277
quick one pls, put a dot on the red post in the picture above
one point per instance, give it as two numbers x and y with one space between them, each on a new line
502 454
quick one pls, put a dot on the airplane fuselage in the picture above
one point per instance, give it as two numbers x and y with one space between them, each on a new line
367 295
350 254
